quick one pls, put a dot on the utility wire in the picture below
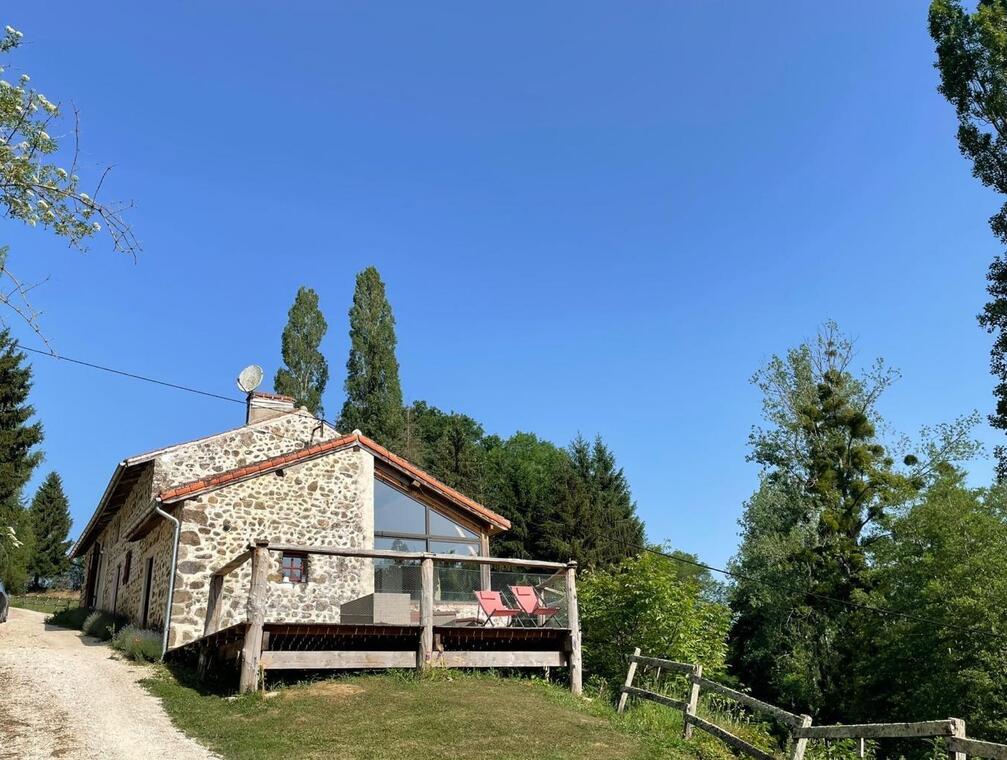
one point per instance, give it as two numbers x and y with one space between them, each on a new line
164 383
638 547
825 597
123 373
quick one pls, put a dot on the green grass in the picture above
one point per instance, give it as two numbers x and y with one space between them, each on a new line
441 717
43 602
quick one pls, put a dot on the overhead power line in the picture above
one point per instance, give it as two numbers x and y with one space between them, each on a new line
695 563
131 375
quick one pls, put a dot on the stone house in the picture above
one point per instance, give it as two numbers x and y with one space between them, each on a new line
170 518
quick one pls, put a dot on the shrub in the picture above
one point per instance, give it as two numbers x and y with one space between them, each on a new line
72 618
138 643
646 602
102 624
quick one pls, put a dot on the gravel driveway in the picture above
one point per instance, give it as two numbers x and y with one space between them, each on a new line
63 694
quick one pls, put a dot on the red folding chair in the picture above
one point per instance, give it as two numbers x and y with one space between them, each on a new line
493 606
531 604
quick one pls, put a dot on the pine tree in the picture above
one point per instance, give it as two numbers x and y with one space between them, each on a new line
18 459
306 372
373 393
592 518
50 522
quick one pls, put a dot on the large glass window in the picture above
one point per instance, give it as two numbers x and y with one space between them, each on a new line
397 515
403 524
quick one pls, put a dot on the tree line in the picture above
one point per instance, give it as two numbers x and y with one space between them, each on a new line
564 503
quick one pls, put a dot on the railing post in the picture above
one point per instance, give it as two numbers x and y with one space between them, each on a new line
256 612
573 620
426 613
800 743
693 703
630 675
958 731
485 571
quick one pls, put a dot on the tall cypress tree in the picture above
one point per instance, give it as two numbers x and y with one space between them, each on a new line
373 393
306 372
50 522
18 459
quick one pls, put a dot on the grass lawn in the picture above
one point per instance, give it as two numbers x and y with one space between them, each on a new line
402 716
49 602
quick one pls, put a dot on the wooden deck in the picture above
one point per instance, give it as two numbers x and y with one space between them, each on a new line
335 646
258 645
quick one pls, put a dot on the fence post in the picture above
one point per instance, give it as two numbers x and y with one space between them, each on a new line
630 674
800 743
573 620
958 731
425 654
693 703
256 612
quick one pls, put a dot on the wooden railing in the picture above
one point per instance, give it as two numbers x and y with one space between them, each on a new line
258 555
951 730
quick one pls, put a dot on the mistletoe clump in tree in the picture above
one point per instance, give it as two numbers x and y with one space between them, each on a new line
828 488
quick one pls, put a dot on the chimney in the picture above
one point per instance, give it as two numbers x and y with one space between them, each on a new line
265 406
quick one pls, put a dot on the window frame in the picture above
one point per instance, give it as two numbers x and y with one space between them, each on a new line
303 570
427 537
127 566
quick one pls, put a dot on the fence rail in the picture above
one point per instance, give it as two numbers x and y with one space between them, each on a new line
951 730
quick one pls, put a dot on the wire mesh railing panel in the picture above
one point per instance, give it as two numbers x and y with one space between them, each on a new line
517 598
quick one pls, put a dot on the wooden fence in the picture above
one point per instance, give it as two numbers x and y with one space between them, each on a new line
951 730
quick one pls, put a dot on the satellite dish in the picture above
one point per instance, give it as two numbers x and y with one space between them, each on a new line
250 378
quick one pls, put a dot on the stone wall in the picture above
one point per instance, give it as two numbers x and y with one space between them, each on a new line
326 501
127 598
237 448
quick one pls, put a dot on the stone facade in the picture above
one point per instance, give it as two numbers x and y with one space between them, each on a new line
184 463
322 502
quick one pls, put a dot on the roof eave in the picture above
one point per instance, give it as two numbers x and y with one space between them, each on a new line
77 549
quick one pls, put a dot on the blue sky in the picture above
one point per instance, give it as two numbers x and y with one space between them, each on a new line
591 217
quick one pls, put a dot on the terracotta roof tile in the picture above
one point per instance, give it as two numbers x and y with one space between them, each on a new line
230 476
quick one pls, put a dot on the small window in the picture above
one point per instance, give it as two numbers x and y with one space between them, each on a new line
126 567
295 568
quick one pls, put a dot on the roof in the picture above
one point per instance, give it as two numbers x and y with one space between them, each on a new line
128 471
204 485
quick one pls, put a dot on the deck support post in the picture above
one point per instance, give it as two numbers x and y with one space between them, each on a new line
423 661
693 703
573 621
630 675
256 613
801 744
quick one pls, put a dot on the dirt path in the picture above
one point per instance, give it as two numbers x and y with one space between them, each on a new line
65 695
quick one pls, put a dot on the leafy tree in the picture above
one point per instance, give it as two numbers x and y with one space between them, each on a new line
828 485
592 518
972 61
306 372
942 571
35 189
373 393
456 457
644 602
50 522
19 438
